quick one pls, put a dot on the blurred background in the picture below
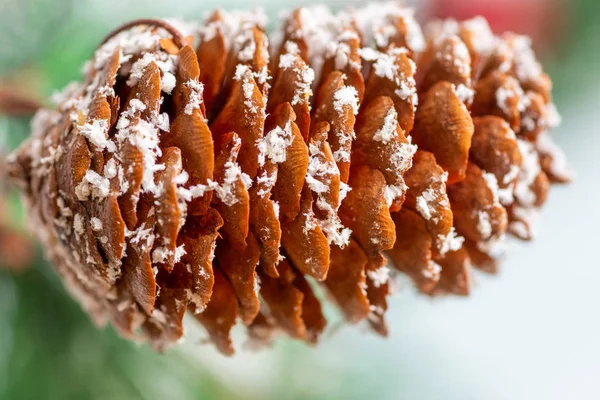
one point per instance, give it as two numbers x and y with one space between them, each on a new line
532 332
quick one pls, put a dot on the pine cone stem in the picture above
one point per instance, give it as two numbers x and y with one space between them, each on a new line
177 37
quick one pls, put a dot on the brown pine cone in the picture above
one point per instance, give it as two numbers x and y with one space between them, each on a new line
227 179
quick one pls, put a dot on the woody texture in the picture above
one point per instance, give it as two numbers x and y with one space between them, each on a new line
213 171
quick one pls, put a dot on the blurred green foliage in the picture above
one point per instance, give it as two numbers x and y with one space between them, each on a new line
574 64
50 350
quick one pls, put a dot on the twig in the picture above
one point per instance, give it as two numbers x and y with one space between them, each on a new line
18 104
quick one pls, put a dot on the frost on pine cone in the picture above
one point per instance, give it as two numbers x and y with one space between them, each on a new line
213 170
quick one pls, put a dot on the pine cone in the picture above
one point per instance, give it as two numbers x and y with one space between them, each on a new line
224 180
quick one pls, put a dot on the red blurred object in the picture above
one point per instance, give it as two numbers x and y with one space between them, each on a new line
16 247
543 20
16 250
